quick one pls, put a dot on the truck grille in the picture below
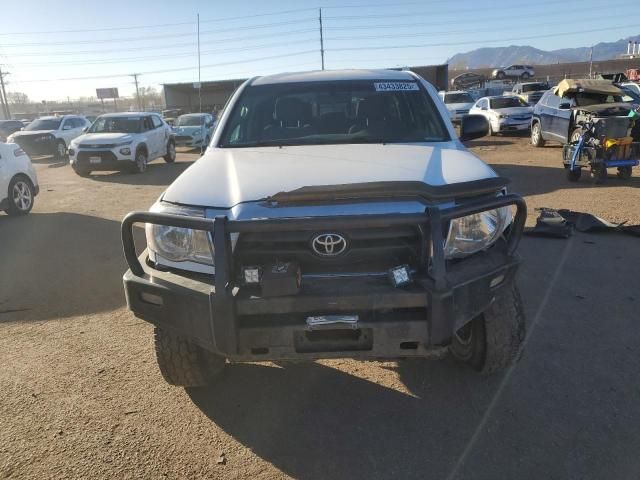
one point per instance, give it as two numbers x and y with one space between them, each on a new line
368 250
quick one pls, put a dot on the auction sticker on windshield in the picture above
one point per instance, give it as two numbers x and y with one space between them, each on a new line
394 86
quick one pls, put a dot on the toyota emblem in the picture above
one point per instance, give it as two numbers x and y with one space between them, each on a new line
329 244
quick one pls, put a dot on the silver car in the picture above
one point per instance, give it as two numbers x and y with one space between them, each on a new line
514 71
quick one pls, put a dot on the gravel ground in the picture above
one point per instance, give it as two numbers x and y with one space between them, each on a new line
81 396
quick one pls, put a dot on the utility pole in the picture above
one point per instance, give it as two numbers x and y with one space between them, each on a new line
591 63
199 79
321 40
3 96
135 79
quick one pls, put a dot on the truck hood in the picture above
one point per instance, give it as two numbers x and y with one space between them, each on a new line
103 138
225 177
515 110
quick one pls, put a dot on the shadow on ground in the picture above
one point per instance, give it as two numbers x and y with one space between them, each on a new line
158 173
59 265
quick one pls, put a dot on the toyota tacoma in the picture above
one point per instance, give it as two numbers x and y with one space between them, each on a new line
335 214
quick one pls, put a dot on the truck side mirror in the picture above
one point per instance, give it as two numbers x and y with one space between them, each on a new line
473 126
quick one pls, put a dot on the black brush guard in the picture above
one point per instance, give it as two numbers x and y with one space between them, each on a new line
438 285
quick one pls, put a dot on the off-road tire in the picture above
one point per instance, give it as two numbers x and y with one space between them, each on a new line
60 147
599 174
573 175
183 363
170 157
21 187
536 135
624 173
496 335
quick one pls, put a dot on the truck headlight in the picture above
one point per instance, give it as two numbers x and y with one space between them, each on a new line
474 233
179 244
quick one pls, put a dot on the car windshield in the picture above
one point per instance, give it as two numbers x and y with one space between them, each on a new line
507 102
532 87
190 121
116 125
458 98
44 124
316 113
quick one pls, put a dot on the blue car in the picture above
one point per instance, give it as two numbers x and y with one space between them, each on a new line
561 112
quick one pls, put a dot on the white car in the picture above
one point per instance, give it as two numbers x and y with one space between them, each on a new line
50 135
122 141
504 113
458 103
18 180
514 71
334 214
194 130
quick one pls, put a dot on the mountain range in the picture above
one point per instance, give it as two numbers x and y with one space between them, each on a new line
515 54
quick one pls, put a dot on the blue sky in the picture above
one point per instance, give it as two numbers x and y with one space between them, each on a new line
39 44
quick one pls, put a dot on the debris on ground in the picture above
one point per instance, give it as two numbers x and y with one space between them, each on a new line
560 223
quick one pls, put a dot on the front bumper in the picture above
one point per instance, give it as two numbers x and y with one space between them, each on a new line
508 125
35 148
100 159
392 322
188 141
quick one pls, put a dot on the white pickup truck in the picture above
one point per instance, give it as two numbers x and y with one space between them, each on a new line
334 214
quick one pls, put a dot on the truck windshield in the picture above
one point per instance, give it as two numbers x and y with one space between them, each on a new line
317 113
44 124
458 98
190 121
116 125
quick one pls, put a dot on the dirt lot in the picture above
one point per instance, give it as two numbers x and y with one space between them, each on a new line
81 396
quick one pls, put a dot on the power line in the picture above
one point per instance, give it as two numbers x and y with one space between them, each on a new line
475 42
157 25
180 69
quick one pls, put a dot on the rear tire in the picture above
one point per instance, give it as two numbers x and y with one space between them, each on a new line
183 363
492 341
20 196
170 157
624 173
573 175
599 174
536 135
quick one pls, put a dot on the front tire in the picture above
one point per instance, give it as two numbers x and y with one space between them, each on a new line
525 76
140 163
61 150
492 341
183 363
573 175
536 135
20 196
500 75
170 157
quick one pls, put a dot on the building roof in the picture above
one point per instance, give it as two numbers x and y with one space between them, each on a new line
333 75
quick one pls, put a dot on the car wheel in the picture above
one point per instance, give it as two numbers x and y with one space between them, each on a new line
140 164
575 135
492 341
183 363
83 172
61 150
573 175
500 75
536 135
21 195
599 174
170 157
624 173
526 75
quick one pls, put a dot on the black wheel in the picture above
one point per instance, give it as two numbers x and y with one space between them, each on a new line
536 135
500 75
526 75
83 172
183 363
492 341
20 196
599 174
575 135
170 157
140 163
573 175
624 173
61 150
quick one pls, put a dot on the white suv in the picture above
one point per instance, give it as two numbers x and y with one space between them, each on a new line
514 71
122 141
50 135
18 180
